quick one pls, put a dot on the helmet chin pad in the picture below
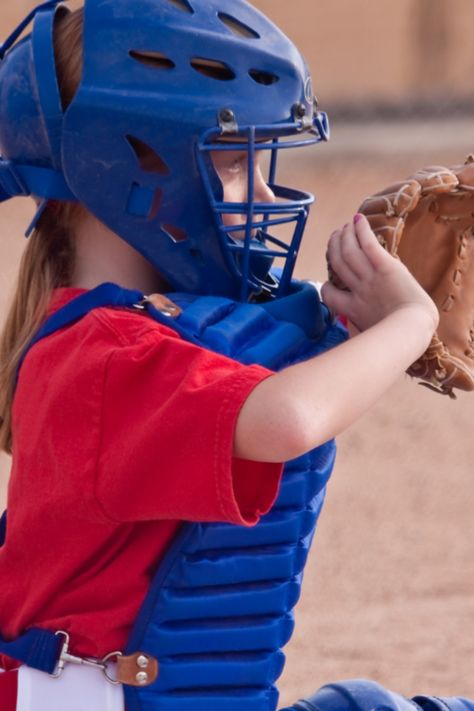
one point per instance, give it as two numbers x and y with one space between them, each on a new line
260 264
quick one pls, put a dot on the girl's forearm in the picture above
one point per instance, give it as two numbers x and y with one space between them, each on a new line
306 404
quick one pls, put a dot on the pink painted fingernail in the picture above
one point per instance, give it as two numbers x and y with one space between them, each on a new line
357 217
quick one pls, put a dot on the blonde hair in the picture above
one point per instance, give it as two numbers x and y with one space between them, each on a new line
48 259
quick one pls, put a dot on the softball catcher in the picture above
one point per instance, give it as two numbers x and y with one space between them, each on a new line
155 326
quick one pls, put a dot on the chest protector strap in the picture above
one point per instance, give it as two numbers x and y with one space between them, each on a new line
219 608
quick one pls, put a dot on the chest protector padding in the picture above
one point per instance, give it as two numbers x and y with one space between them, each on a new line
220 607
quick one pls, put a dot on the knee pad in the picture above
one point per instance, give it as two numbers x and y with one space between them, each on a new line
362 695
353 695
444 703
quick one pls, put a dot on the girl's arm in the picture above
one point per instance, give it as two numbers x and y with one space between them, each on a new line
306 404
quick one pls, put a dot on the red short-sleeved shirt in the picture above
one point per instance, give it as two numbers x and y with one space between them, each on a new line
121 431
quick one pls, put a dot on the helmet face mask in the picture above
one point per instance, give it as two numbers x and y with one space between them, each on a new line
166 84
249 242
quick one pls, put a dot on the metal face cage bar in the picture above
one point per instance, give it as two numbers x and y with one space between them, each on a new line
241 253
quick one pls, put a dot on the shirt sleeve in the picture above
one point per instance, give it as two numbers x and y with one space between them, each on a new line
168 417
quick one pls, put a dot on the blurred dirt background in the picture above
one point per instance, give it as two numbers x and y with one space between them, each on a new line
388 591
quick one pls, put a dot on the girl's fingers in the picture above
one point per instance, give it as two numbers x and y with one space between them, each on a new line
376 255
346 257
336 261
353 255
336 300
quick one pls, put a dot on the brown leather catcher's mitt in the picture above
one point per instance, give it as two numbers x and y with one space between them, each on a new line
428 222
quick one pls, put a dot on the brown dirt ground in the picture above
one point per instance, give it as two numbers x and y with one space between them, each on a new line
388 591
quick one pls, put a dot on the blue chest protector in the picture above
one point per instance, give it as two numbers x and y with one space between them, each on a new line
219 609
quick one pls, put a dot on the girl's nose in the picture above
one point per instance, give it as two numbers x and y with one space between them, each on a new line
262 191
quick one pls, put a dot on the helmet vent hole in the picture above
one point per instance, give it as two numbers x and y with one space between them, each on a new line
213 69
156 60
156 204
262 77
238 28
148 158
176 234
182 5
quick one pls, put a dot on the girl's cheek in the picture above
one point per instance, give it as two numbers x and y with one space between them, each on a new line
235 186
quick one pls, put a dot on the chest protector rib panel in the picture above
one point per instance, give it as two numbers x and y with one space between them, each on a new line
219 608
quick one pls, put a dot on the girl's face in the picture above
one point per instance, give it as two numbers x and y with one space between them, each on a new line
232 169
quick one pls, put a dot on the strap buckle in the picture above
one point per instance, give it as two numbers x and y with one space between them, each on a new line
161 303
66 658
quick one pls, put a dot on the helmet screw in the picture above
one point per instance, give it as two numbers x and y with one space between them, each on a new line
227 115
142 661
142 678
300 110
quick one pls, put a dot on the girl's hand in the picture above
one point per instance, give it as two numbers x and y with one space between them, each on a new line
377 283
306 404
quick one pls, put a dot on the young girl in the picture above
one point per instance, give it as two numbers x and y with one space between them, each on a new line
141 129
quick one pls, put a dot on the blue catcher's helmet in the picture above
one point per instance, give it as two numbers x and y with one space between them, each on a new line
172 80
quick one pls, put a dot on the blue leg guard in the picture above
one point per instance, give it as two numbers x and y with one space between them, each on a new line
361 695
444 703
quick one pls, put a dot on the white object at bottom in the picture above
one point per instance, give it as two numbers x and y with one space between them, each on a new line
77 689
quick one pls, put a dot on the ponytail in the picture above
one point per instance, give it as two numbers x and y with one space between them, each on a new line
48 259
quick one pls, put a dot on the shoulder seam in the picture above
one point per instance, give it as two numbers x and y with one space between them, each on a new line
123 341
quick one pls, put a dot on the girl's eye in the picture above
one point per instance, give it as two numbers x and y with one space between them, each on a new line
237 165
